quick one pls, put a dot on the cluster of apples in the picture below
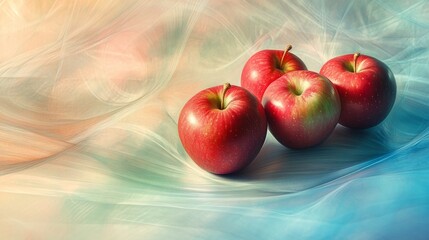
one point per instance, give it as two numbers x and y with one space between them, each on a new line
223 128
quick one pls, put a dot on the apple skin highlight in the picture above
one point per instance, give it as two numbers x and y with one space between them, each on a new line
222 140
367 89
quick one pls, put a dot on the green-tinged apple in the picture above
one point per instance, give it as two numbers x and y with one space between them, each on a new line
366 86
223 128
265 66
302 108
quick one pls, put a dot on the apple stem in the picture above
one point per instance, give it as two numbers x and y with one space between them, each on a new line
355 60
287 49
226 86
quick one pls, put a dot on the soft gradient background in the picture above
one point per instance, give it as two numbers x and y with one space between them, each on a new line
90 93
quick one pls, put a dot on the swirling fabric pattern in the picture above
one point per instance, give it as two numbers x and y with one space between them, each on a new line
90 93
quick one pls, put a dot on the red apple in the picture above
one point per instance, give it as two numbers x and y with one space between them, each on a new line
366 86
266 66
302 108
222 128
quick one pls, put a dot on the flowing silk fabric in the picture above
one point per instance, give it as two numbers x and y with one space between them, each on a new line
90 93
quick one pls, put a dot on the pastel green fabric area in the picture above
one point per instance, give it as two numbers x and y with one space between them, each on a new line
91 91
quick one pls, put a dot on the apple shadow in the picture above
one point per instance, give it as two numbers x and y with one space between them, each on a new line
303 168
